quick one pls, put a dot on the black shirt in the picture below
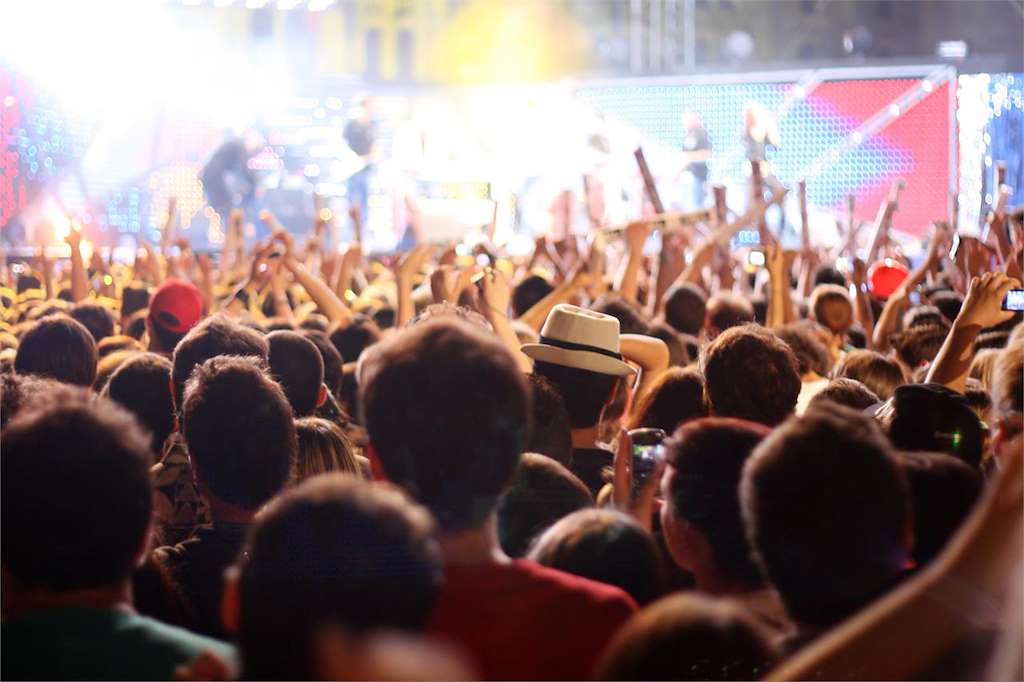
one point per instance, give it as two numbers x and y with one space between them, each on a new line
359 136
196 566
589 463
696 141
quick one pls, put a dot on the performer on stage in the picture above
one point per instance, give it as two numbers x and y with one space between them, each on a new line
759 133
696 153
227 180
361 138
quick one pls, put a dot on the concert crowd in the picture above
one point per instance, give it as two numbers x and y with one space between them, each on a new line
289 460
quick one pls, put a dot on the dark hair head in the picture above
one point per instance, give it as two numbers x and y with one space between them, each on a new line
688 636
934 418
685 307
675 397
923 315
827 274
726 310
826 509
847 392
607 546
96 318
447 412
631 320
60 348
77 495
239 430
383 571
134 297
706 459
355 337
112 344
879 373
948 303
550 433
692 345
142 385
677 353
216 335
331 357
752 374
920 344
384 317
322 448
136 324
528 292
811 354
108 365
943 490
20 390
315 322
585 393
296 364
541 492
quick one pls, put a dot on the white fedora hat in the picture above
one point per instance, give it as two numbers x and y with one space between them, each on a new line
579 338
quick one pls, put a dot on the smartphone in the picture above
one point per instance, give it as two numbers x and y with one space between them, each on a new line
755 258
648 448
955 247
1014 300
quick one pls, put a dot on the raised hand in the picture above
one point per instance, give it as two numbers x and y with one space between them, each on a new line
412 262
636 234
495 292
983 304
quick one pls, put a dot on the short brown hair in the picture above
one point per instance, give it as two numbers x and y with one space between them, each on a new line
323 447
726 310
60 348
447 412
752 374
880 374
216 335
832 307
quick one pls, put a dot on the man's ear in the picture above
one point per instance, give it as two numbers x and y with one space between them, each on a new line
231 602
321 396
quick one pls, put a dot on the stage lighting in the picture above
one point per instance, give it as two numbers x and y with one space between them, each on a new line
951 49
857 41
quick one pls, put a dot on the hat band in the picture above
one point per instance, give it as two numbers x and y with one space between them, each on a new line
569 345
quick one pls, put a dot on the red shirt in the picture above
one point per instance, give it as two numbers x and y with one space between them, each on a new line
523 621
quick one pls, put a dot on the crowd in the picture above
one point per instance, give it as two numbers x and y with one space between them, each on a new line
292 462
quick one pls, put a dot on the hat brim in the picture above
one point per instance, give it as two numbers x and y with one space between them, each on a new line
578 359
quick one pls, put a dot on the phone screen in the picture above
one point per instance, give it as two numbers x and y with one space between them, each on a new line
756 258
648 448
1014 300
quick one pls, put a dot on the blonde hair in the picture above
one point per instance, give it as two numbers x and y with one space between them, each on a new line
323 447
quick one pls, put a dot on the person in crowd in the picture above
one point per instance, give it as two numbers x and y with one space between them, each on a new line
298 367
142 385
333 362
175 307
70 542
385 573
180 508
750 373
240 435
528 293
832 308
685 308
933 417
675 397
59 348
847 392
541 492
106 367
322 448
542 623
689 636
678 355
550 433
97 318
115 343
827 512
607 546
813 361
880 374
355 337
724 311
700 516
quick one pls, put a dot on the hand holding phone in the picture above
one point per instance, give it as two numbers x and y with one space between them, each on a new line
648 451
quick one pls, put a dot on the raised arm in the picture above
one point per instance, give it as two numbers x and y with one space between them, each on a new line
495 294
406 269
79 280
648 352
982 308
538 312
780 303
636 235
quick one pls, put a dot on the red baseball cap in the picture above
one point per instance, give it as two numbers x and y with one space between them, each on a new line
176 306
885 276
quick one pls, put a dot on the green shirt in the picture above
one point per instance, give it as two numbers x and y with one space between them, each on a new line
95 644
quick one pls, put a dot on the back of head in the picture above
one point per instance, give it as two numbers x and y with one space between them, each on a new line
919 345
948 302
811 354
217 335
678 356
384 571
94 317
134 297
142 385
631 320
322 448
874 370
688 636
541 492
109 364
943 490
76 494
1008 382
934 418
355 337
239 430
706 459
922 316
832 308
297 365
981 366
59 348
751 374
529 292
333 363
726 310
848 393
18 391
675 397
826 509
827 274
685 307
112 344
447 413
550 433
607 546
585 393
